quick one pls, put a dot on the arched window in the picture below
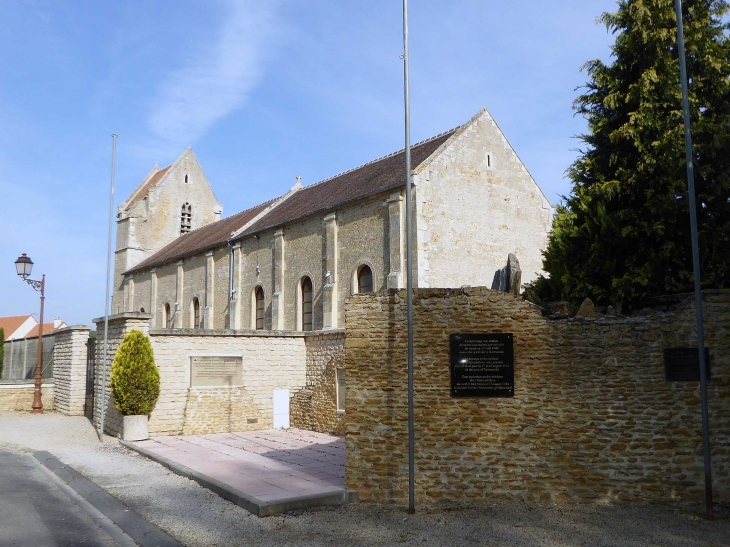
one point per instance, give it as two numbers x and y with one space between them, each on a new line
167 317
141 310
364 279
186 218
306 288
259 303
195 312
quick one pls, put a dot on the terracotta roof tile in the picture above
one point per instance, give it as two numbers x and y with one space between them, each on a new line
145 190
372 178
12 323
47 329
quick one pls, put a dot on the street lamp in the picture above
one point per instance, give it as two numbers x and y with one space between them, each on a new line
24 265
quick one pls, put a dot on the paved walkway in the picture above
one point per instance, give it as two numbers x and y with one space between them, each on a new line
266 472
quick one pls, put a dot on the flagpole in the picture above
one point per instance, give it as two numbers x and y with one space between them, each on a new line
409 268
106 305
695 259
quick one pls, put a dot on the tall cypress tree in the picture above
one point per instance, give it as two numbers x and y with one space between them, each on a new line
624 231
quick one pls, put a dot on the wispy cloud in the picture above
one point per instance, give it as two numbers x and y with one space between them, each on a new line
219 76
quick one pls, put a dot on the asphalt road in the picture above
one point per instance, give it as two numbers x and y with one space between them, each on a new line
34 512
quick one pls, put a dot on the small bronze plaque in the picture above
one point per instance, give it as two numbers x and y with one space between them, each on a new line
482 365
683 364
216 371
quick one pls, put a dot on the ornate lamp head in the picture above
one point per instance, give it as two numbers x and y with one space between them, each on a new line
24 265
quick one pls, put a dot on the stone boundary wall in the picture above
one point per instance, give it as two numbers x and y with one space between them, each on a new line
303 363
119 325
18 396
69 356
271 360
592 420
314 407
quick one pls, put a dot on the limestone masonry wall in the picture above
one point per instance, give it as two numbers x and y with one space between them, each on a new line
593 418
315 406
513 216
271 360
304 364
18 396
69 369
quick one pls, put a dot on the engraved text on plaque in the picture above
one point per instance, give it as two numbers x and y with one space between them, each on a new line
482 365
216 371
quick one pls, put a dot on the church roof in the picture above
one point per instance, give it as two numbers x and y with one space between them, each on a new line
378 176
145 189
375 177
200 240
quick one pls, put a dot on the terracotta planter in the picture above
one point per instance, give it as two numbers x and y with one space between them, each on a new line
134 428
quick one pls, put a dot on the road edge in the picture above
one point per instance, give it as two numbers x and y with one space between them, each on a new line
129 521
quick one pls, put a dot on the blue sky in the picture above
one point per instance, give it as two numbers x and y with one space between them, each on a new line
262 91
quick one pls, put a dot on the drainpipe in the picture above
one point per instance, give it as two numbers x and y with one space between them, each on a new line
231 289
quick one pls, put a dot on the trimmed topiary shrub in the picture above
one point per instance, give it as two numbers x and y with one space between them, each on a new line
135 378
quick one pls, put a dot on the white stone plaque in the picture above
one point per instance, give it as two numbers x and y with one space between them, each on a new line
216 371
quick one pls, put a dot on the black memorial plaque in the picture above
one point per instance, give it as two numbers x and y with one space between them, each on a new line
482 365
683 364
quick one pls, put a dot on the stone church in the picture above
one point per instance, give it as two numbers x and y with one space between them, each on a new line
288 264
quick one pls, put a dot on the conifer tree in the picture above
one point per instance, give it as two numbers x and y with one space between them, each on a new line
135 379
624 233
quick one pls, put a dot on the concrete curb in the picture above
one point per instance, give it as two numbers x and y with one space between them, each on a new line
252 504
135 526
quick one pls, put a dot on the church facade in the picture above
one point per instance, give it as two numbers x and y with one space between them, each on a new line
288 264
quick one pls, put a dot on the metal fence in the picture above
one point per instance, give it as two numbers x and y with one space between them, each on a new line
21 357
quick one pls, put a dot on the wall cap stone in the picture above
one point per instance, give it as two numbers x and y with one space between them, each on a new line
246 332
9 384
123 316
73 328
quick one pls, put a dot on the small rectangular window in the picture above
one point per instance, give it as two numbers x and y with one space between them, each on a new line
340 379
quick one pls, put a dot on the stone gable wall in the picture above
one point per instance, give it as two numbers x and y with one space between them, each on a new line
476 203
592 420
153 222
314 407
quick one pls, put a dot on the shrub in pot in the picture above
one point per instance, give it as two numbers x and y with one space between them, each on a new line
135 384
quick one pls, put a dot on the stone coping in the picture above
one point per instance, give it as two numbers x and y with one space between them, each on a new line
125 315
245 333
72 327
10 384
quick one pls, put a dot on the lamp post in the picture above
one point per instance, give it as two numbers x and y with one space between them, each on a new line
24 265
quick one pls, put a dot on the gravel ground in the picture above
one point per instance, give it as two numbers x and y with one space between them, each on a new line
197 517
